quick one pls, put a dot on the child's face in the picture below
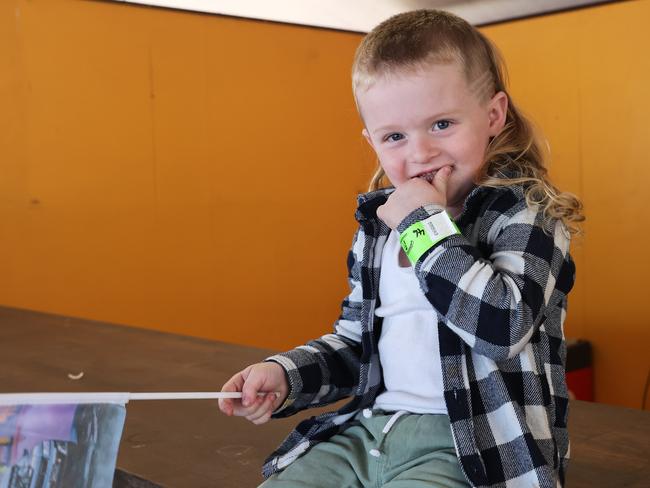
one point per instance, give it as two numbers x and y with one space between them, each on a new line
420 122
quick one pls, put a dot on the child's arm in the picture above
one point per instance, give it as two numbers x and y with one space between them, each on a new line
494 305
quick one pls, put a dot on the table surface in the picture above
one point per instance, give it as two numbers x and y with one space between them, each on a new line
189 443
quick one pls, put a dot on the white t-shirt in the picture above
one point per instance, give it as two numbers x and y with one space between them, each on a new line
408 345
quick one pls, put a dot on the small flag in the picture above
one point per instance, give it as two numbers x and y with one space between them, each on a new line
68 445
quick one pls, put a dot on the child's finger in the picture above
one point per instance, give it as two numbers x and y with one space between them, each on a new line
245 411
278 400
264 418
225 406
257 409
251 387
440 179
234 384
264 411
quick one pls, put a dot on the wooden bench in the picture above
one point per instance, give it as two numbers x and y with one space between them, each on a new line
189 443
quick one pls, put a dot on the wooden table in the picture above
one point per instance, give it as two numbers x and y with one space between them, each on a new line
189 443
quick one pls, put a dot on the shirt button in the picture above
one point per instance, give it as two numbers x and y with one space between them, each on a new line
374 452
367 413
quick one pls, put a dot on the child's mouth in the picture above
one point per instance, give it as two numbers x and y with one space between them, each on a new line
428 176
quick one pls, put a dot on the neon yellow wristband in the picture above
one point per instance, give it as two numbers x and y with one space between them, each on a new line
421 236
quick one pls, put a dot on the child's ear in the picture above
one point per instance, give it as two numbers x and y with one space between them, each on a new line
497 111
365 134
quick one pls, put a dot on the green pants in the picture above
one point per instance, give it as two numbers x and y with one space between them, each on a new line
417 451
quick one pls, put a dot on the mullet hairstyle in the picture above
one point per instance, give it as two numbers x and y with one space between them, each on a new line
413 41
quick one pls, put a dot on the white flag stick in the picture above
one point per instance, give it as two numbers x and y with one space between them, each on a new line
190 395
67 398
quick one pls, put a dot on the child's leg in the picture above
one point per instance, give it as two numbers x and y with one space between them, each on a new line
334 463
439 471
420 453
417 451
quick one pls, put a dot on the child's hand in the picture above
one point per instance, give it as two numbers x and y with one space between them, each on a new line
412 194
265 377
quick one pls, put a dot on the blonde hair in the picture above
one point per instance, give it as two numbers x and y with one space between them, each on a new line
415 40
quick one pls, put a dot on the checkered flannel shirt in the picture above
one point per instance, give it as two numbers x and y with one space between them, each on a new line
499 291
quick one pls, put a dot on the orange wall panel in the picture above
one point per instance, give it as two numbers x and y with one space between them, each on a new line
177 171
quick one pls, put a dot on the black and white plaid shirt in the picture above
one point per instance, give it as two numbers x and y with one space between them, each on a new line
499 291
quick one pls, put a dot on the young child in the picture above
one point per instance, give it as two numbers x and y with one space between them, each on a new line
450 343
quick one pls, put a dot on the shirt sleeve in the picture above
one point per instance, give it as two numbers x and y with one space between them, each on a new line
327 369
495 295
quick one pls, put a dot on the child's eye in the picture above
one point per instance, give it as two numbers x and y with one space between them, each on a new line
441 125
394 137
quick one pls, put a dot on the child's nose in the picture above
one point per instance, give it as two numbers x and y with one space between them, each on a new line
423 149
